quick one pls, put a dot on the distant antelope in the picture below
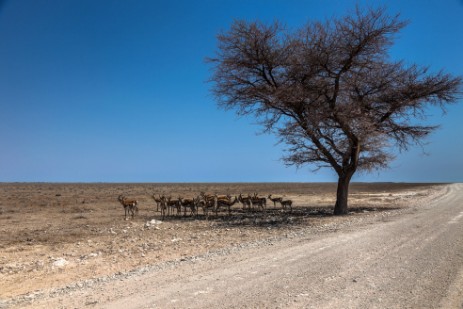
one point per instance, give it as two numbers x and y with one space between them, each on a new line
275 200
163 205
174 204
130 206
188 203
226 203
287 203
259 201
205 205
158 201
206 201
245 200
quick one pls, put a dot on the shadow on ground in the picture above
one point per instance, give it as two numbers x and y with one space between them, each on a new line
273 217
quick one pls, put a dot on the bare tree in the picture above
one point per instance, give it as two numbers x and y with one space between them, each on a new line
329 90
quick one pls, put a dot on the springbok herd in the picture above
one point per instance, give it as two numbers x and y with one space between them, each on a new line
168 205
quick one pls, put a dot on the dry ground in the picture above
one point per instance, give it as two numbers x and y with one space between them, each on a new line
52 235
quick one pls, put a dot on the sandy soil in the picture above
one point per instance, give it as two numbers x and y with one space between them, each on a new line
54 235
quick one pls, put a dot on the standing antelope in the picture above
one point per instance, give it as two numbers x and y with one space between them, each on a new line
174 204
188 203
287 203
275 200
214 202
245 200
226 203
207 201
259 201
201 202
163 205
158 201
130 206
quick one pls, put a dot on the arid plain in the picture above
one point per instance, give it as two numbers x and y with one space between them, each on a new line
56 235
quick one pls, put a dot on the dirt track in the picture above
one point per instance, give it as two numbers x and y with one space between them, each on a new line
403 258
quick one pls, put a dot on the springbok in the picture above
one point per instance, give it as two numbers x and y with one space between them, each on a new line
259 201
226 203
208 201
130 206
188 203
163 205
174 204
275 200
287 203
205 204
245 200
158 201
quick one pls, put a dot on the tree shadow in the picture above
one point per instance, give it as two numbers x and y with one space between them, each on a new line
273 217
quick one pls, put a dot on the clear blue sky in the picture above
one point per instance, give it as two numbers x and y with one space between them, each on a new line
116 91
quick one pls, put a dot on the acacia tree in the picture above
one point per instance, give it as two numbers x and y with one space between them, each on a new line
330 91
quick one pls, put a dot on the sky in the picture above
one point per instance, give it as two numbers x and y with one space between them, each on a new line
117 91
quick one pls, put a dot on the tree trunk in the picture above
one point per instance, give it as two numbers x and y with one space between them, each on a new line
342 195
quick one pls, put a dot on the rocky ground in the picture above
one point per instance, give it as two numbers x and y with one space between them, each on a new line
60 237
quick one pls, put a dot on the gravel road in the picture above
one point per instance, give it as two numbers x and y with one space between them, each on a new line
414 260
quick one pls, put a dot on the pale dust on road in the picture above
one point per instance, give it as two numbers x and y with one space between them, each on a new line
412 261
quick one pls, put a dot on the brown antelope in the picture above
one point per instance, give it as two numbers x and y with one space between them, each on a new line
208 204
245 200
188 203
226 203
158 201
287 203
174 204
209 201
130 206
163 206
275 200
261 202
200 202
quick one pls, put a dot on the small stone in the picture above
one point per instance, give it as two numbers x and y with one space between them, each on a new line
60 263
